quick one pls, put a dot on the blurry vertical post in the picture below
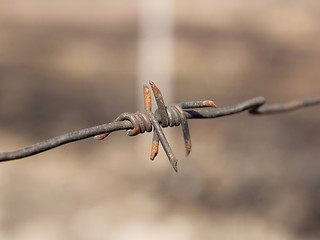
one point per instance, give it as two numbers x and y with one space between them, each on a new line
156 46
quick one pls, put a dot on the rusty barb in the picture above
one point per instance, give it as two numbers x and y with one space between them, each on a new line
164 116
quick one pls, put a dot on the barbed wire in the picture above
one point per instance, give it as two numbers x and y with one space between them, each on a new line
164 116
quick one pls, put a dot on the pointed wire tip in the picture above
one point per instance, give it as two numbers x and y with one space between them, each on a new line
175 166
209 103
152 84
155 89
174 163
147 98
154 150
164 116
145 87
153 156
101 136
188 146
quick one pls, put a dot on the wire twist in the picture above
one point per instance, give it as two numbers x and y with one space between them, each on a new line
141 121
164 116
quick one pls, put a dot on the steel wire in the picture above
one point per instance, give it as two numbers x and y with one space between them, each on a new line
164 116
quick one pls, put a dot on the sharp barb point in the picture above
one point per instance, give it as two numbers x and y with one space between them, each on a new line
101 136
154 149
175 166
140 122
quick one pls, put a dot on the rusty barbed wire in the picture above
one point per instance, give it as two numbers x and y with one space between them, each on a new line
164 116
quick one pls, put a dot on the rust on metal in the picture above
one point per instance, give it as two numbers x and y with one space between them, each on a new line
101 136
209 103
154 148
164 141
161 106
147 98
188 146
147 121
198 104
185 128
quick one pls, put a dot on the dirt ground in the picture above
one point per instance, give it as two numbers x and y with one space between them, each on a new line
68 65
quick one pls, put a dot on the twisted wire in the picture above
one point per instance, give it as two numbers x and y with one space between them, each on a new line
141 121
164 116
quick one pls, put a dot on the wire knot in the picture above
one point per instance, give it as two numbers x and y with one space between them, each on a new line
164 116
175 116
140 121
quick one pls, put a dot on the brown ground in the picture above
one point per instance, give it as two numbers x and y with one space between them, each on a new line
65 67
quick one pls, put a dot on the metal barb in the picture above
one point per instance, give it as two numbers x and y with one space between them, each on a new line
158 133
169 116
144 121
140 122
164 142
147 98
185 128
161 106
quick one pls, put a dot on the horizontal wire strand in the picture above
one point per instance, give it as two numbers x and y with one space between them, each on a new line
255 106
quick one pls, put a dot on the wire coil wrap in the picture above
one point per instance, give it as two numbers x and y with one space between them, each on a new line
142 123
146 121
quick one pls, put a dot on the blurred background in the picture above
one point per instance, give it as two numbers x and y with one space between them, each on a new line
68 65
